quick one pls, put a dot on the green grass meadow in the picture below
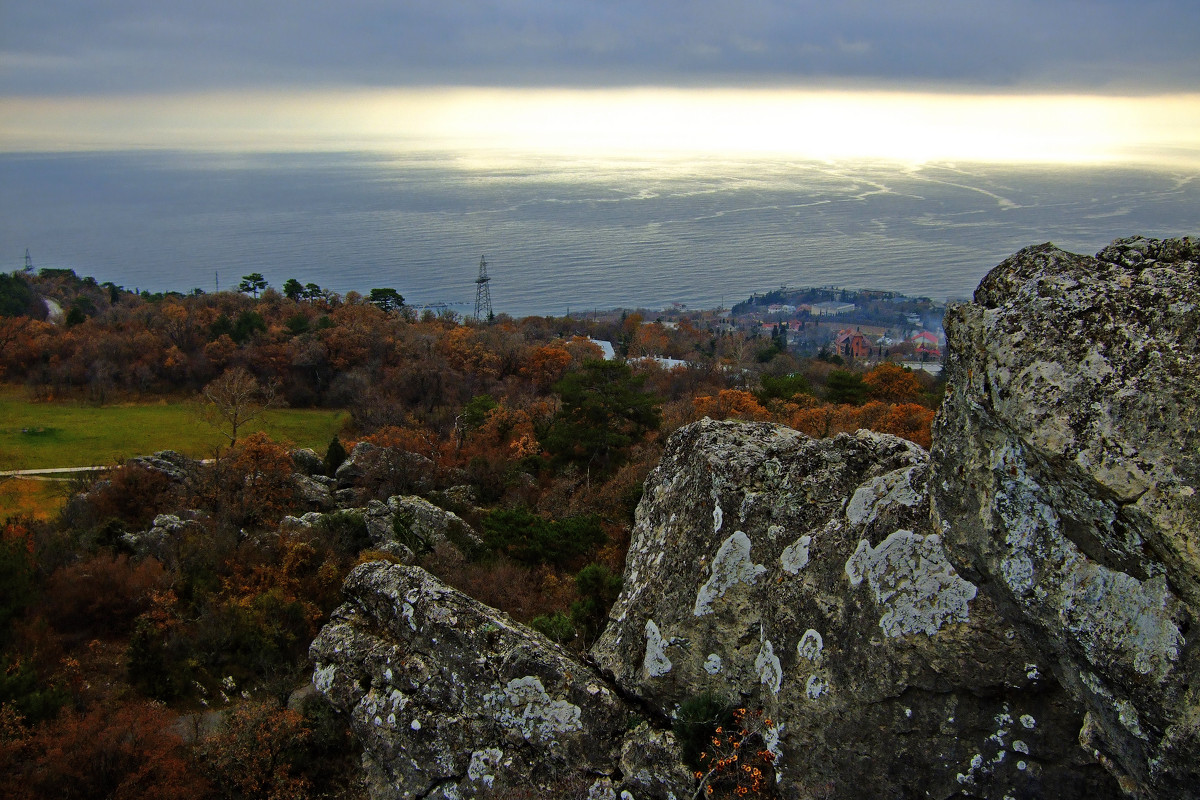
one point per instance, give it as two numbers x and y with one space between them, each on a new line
71 434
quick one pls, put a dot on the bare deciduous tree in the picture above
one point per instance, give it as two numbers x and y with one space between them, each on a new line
234 400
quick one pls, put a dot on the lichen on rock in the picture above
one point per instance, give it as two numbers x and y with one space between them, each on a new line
781 629
912 581
1066 467
731 565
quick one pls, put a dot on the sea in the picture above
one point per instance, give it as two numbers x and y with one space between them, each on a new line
563 234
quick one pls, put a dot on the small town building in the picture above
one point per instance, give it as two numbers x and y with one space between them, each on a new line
926 345
852 344
830 308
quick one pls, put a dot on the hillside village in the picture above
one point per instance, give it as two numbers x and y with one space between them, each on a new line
852 327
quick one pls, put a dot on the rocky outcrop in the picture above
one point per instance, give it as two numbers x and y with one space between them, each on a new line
307 462
166 535
785 574
369 467
964 645
802 578
405 526
315 491
1066 467
176 466
451 698
413 524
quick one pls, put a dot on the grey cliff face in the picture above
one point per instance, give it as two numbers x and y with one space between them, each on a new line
1066 461
802 577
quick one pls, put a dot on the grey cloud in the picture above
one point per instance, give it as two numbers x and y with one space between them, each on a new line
79 46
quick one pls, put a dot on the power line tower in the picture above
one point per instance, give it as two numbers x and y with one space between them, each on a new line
483 293
28 261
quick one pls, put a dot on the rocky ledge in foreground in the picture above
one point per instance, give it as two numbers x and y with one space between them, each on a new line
782 574
1066 467
802 577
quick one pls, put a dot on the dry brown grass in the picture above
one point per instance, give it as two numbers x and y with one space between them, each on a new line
32 497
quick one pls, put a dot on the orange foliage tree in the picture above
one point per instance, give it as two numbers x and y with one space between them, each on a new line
250 484
731 403
255 755
892 383
545 365
125 751
910 421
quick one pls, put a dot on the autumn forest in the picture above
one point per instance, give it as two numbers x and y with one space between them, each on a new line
181 672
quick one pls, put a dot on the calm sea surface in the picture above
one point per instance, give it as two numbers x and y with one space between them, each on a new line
562 234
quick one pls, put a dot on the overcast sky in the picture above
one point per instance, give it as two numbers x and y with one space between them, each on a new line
73 47
1121 77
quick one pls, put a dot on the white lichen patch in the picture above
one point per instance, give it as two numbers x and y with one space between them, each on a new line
718 517
873 497
815 687
810 646
775 531
524 706
766 664
601 790
1117 619
655 664
712 664
913 582
1028 722
795 556
732 565
483 765
380 707
407 612
771 737
1127 715
323 678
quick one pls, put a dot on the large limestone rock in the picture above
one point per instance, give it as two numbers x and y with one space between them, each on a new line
405 526
452 699
802 577
176 466
418 526
1066 467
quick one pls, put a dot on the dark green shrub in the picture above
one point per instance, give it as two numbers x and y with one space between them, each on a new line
335 455
845 387
248 323
16 575
783 387
697 720
345 532
598 588
531 539
156 666
21 687
557 627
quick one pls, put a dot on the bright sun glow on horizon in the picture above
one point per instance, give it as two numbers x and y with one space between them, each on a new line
903 126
